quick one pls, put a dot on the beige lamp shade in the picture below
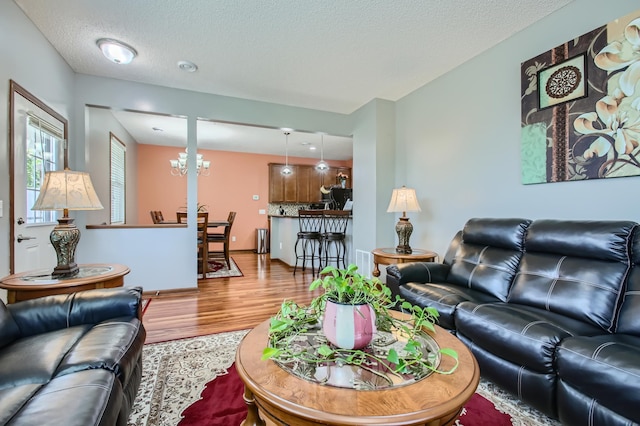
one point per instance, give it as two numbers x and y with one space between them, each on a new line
67 189
404 200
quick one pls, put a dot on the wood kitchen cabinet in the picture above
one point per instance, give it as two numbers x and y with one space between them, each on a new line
282 189
303 185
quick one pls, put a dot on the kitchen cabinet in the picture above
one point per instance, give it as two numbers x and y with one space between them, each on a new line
303 185
282 188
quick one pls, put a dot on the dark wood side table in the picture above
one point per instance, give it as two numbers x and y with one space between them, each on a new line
388 256
277 397
32 284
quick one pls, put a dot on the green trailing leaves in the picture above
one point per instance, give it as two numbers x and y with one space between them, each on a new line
348 287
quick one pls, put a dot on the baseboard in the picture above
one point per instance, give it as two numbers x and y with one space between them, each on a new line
170 292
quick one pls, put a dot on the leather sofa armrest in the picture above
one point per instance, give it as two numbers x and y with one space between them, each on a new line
56 312
420 272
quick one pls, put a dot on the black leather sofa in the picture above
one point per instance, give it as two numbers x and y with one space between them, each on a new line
73 359
549 308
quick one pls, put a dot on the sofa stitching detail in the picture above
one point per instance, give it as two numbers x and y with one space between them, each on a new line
426 267
47 391
591 411
478 262
562 278
597 351
609 366
521 333
531 324
486 265
547 303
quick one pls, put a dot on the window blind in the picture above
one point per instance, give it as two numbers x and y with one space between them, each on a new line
118 171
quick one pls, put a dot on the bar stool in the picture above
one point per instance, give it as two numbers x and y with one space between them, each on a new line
334 232
309 242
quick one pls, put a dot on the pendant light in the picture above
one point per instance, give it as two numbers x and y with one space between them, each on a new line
286 170
322 165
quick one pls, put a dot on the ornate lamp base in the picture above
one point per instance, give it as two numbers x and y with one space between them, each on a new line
64 238
404 228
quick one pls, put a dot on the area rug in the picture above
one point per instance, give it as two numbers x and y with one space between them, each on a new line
193 382
218 269
144 305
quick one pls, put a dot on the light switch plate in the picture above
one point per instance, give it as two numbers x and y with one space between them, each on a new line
262 211
256 197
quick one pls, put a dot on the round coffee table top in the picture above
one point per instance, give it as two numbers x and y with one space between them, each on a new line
437 397
42 279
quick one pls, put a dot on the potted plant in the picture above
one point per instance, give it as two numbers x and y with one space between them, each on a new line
350 303
346 288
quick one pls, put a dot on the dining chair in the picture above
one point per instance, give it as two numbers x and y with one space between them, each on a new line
202 243
156 216
222 238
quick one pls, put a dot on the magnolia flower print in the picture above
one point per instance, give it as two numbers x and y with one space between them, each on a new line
616 129
621 54
615 124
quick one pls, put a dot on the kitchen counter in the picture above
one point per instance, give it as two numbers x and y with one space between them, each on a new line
284 233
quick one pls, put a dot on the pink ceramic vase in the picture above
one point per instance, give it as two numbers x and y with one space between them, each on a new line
349 326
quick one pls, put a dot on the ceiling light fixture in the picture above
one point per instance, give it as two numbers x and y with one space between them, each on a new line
322 165
179 166
116 51
187 66
286 170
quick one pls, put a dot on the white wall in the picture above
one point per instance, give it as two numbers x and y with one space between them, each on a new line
29 60
374 161
459 139
100 123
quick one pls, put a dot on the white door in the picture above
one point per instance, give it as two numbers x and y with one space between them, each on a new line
38 134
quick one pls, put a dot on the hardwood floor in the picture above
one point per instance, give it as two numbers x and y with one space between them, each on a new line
227 304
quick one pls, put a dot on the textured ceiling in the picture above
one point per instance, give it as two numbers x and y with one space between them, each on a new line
332 55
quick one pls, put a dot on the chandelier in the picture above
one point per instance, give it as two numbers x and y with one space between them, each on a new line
179 166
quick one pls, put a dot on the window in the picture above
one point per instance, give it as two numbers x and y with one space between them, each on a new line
118 171
43 142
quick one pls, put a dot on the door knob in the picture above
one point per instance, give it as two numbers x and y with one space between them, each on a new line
20 221
22 238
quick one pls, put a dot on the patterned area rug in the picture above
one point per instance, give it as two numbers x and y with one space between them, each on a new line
175 373
218 269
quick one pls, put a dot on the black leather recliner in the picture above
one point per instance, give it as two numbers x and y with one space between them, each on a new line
552 313
73 359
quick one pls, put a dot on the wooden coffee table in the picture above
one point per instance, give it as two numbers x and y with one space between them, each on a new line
32 284
274 396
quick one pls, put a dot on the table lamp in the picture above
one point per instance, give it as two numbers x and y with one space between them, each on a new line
404 200
66 190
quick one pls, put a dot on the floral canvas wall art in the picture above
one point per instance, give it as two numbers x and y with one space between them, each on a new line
581 107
